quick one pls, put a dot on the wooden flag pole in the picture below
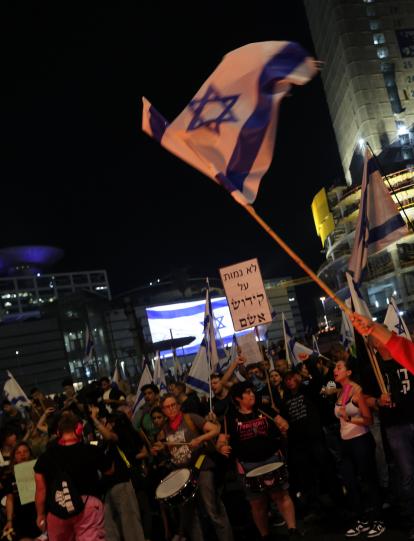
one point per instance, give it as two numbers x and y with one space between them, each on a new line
297 259
316 279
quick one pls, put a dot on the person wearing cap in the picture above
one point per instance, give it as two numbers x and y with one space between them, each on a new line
253 437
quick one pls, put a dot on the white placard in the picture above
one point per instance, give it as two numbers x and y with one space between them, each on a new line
25 481
249 348
246 294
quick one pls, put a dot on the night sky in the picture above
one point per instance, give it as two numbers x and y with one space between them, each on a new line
77 171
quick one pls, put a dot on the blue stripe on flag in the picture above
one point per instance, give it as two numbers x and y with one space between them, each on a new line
255 128
16 399
198 383
381 231
157 122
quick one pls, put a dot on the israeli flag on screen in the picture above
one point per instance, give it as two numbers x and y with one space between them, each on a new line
379 220
228 129
187 319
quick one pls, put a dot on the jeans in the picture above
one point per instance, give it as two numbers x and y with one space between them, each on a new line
401 441
122 515
213 506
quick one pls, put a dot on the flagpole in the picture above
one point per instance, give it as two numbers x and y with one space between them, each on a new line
381 170
296 258
272 402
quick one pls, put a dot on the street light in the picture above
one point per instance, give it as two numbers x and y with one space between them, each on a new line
323 299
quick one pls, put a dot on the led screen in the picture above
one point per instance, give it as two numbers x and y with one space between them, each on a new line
187 319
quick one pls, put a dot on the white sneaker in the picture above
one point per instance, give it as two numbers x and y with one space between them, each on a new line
359 528
377 529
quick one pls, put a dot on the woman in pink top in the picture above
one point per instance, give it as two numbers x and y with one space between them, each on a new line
358 453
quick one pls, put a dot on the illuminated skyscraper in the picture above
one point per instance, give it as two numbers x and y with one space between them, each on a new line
367 47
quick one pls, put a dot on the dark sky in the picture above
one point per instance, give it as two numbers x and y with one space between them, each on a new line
77 171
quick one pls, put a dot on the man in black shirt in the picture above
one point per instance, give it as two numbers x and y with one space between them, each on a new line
69 471
254 441
396 411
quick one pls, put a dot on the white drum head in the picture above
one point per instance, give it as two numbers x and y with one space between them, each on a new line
262 470
173 483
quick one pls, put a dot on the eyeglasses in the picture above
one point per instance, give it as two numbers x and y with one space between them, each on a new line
169 406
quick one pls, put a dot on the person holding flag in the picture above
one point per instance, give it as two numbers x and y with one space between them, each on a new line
400 348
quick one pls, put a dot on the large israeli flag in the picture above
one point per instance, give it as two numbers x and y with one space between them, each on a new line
14 393
295 351
379 221
395 322
228 129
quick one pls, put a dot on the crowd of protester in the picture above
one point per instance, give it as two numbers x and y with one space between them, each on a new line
277 444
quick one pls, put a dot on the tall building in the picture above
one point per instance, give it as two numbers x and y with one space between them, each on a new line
367 47
43 319
390 272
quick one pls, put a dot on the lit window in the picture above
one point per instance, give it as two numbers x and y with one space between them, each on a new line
383 52
379 39
374 24
369 1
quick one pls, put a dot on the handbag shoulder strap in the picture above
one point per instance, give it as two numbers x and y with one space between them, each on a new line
124 458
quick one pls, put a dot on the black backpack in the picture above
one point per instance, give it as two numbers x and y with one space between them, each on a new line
65 500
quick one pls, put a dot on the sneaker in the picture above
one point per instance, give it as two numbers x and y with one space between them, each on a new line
359 528
376 529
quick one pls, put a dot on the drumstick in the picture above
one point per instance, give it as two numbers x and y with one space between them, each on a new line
170 443
266 415
225 425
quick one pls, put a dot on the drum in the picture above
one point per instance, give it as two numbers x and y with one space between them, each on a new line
274 475
177 488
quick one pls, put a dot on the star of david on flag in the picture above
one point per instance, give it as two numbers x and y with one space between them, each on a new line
206 113
228 129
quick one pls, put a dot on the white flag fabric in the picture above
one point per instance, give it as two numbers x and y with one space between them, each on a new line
347 335
199 375
295 351
228 129
379 220
14 393
358 302
159 376
146 378
395 322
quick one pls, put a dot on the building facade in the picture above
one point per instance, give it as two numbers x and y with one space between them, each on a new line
390 272
367 50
